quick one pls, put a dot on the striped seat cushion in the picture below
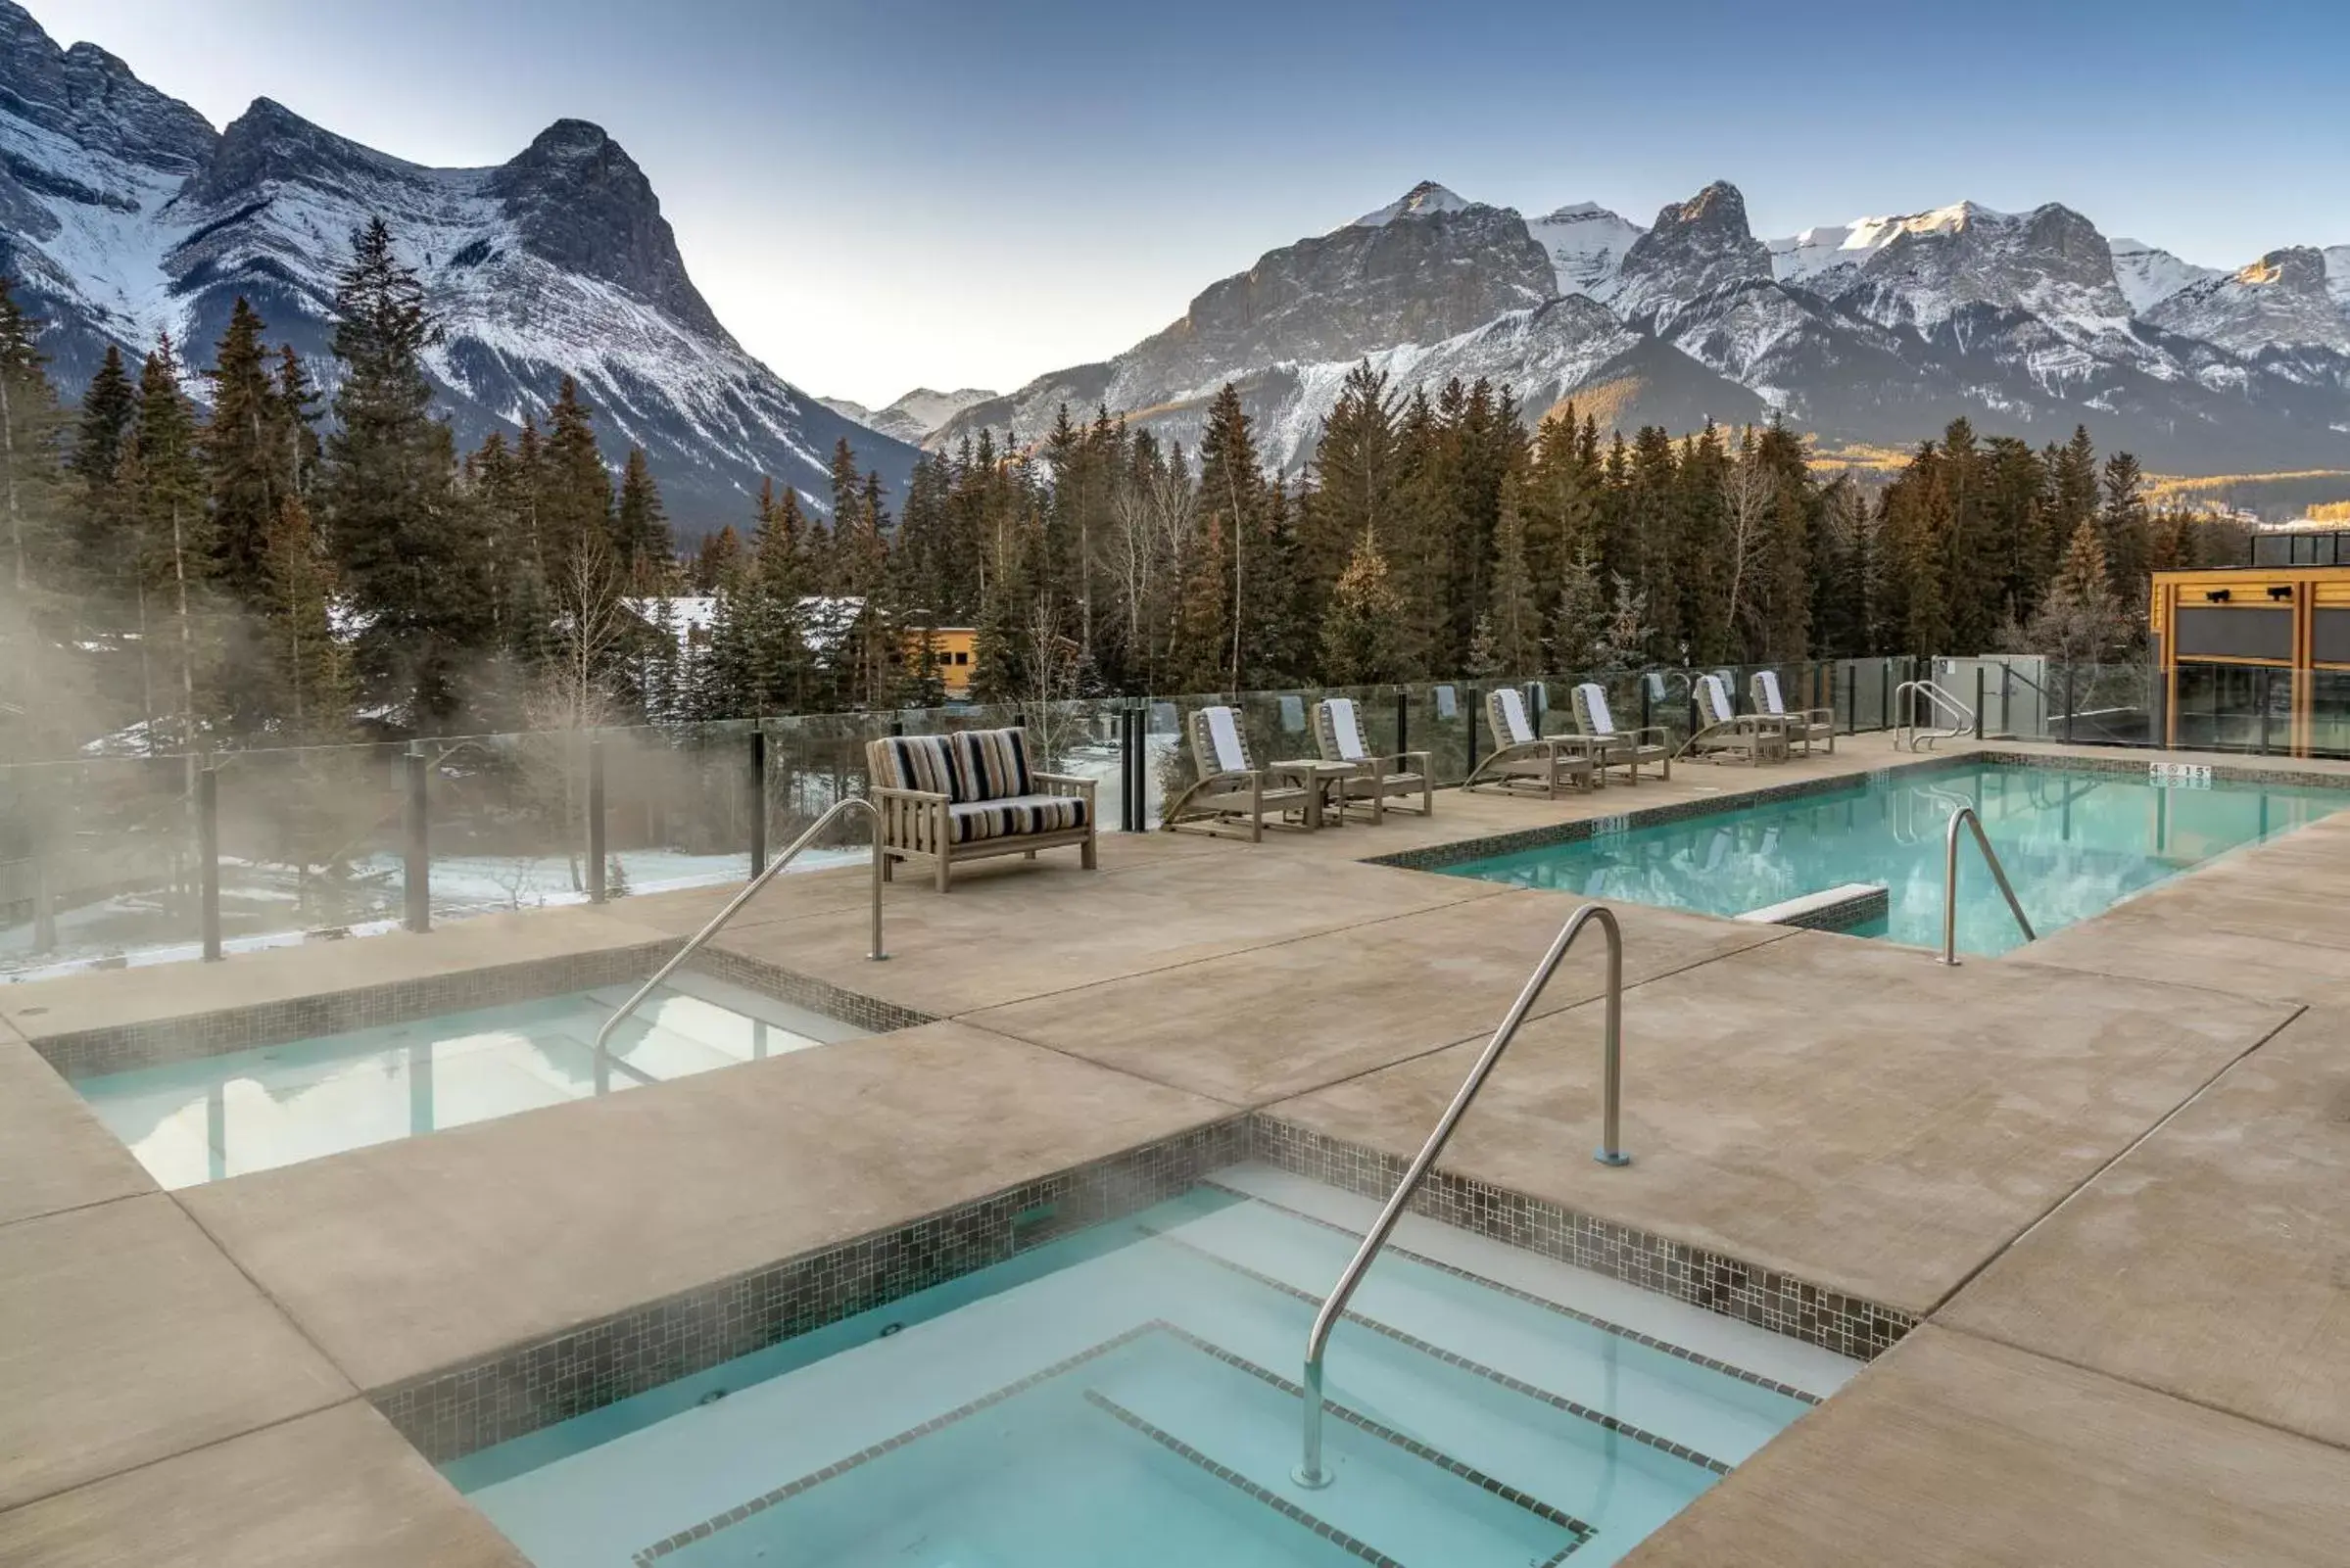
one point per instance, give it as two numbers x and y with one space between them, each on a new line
993 764
925 762
1014 818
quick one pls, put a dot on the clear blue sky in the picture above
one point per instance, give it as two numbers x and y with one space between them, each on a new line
880 193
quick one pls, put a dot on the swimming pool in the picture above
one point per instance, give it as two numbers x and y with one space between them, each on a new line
2075 843
1127 1394
214 1116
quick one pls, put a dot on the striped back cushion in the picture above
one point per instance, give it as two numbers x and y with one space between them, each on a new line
1339 730
925 762
1766 692
994 763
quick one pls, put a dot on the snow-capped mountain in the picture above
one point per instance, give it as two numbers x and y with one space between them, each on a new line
912 417
2288 299
1879 330
2149 274
1587 244
124 216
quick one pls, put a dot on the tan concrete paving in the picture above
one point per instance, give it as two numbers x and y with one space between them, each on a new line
42 1009
1953 1453
2264 922
125 1337
336 1487
1845 1111
1278 1021
54 1153
410 1258
2210 1260
1022 936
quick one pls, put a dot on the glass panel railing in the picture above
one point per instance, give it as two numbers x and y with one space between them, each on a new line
677 806
311 840
508 820
98 860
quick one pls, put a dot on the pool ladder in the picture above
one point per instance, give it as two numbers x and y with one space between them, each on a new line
1965 816
701 938
1310 1472
1957 714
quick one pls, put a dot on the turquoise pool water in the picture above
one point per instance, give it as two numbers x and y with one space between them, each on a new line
216 1117
2075 843
1128 1395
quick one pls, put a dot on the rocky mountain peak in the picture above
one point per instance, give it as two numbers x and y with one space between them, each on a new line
577 199
270 143
1695 247
91 98
1427 199
2284 299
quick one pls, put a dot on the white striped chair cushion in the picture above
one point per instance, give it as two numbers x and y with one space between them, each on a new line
1014 818
994 763
925 762
1339 730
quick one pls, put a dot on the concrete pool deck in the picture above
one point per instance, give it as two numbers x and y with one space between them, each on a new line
2104 1171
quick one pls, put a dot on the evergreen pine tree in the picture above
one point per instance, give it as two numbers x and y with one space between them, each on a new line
1360 635
245 454
29 431
642 526
407 545
1578 640
1513 618
313 686
175 528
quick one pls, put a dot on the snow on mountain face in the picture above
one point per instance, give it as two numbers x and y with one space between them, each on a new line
127 216
2050 262
1585 244
1424 200
2149 275
913 417
2287 299
1695 247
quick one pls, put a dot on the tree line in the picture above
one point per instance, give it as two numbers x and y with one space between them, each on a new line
255 574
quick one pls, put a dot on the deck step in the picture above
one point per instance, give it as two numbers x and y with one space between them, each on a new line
1404 1501
1659 1396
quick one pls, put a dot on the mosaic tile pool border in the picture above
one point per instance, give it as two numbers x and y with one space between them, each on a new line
1780 1302
2137 763
154 1043
453 1414
93 1052
805 990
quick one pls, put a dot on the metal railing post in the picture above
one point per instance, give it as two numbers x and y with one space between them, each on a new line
699 939
1129 768
596 888
1965 816
1402 719
416 873
1885 694
1310 1472
208 854
1469 713
758 801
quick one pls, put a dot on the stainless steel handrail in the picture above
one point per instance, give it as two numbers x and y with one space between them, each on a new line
1310 1472
1938 699
1998 873
701 939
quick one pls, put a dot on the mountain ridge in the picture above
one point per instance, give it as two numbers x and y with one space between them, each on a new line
1875 331
124 216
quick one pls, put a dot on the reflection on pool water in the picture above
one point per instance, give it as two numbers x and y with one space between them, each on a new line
2075 843
216 1117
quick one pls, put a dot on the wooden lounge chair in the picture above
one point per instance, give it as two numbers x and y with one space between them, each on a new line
946 799
1806 725
1232 791
1523 760
1339 730
1619 748
1725 734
